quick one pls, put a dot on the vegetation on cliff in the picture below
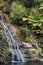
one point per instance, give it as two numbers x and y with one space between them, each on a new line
5 54
27 15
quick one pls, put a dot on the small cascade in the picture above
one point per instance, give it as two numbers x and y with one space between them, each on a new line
13 45
12 57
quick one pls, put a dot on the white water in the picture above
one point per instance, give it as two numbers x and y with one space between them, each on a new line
13 45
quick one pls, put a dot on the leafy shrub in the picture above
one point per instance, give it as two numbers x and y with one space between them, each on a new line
17 11
24 30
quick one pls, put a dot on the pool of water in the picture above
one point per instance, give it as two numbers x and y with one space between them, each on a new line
24 63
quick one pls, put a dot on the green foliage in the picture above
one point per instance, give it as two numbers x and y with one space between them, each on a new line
38 1
27 3
1 5
28 15
17 10
41 6
24 30
30 39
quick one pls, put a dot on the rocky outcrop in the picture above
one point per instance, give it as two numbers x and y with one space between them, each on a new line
30 50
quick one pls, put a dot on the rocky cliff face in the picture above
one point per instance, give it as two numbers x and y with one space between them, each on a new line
31 51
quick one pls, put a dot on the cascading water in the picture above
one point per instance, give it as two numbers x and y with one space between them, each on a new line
13 45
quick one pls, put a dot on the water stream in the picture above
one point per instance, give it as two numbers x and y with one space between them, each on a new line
13 45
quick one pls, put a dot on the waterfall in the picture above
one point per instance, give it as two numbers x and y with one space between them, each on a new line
13 45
